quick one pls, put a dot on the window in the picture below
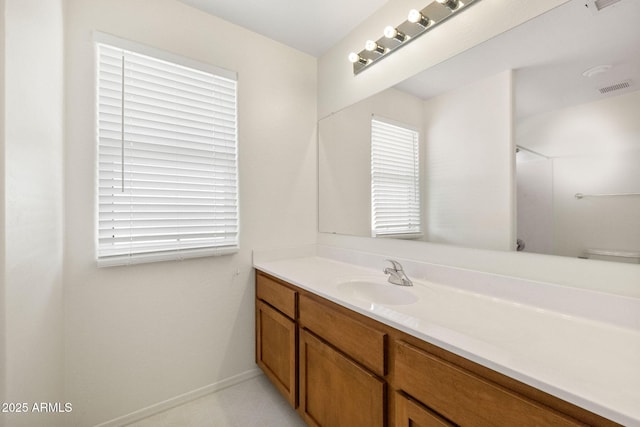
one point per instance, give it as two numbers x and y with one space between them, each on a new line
167 156
395 189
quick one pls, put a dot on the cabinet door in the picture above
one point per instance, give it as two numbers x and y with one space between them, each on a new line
276 349
410 413
334 390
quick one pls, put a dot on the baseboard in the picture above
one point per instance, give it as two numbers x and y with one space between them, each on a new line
181 399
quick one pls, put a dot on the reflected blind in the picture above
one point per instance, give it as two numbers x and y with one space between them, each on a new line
395 176
167 154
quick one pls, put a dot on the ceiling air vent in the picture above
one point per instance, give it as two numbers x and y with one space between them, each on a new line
618 86
598 5
601 4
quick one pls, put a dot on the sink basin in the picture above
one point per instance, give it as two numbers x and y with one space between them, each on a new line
377 291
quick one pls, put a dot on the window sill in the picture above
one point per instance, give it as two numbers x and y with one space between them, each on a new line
119 260
403 236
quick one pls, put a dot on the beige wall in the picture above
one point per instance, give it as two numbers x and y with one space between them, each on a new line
139 335
126 338
33 210
3 343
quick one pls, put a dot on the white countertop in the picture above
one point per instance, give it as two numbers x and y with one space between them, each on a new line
592 364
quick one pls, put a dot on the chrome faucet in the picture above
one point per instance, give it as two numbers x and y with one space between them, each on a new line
397 276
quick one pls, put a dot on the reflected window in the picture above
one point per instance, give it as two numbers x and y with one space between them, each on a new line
395 179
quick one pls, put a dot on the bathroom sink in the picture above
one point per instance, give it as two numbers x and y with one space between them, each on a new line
377 291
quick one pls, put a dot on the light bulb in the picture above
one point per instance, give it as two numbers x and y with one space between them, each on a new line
390 32
372 46
451 4
355 58
416 17
393 33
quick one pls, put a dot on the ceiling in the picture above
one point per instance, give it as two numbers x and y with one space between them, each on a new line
311 26
549 55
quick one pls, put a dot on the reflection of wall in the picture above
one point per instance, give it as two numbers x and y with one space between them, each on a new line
611 223
535 205
345 160
595 150
469 169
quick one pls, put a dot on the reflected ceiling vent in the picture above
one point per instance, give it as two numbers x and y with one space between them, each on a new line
598 5
618 86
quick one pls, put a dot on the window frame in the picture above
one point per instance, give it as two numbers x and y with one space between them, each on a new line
410 230
175 253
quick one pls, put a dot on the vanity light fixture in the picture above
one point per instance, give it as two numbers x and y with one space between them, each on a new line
418 22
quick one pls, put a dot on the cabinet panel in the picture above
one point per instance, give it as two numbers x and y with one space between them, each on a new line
464 397
276 349
362 343
276 294
335 391
410 413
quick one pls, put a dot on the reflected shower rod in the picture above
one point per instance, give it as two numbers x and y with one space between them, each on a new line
581 196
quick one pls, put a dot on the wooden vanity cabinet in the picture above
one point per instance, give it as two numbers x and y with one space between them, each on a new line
276 335
341 368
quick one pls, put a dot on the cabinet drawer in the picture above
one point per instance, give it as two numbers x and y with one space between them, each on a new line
465 398
363 344
276 294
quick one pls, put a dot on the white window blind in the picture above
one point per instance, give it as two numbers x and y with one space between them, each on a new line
167 154
395 177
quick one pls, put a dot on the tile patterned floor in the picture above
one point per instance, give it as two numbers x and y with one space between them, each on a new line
252 403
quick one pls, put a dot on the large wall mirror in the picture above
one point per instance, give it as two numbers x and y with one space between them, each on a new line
529 141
